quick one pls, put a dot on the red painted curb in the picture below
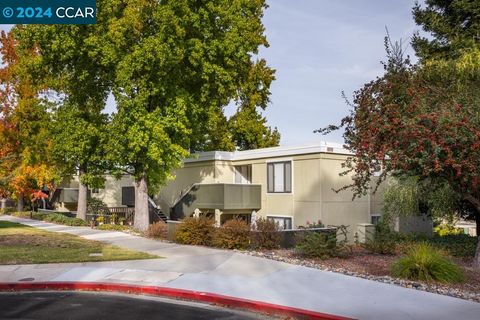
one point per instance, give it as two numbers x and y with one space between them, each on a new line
213 298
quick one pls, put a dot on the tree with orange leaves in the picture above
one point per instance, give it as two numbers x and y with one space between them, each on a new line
24 121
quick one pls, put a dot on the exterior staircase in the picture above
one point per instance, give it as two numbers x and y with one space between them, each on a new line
156 213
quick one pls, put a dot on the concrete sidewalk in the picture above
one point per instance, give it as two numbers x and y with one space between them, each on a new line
239 275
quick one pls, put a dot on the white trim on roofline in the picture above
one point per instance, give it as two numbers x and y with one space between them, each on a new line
319 147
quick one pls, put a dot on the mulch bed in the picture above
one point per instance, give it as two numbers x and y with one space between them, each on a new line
364 264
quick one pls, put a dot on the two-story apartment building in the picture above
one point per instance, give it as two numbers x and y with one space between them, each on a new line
291 185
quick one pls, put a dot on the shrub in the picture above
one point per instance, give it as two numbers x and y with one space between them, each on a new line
445 230
384 241
319 245
234 234
157 230
61 219
266 234
95 206
459 245
196 231
424 262
115 227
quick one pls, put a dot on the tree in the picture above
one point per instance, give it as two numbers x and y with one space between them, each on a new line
9 156
248 126
79 140
79 73
454 25
188 62
419 121
24 163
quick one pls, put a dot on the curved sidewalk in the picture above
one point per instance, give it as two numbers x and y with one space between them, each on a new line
235 274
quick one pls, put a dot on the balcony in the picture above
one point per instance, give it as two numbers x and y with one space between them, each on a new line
222 196
66 195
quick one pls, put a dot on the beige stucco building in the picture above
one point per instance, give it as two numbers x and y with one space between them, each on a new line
291 185
295 185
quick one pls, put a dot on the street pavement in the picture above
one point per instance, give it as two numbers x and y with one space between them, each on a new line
89 305
236 274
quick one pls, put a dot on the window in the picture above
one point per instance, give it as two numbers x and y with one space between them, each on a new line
94 190
243 174
128 196
375 219
279 177
284 223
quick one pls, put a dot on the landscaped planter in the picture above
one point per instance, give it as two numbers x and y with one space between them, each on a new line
288 238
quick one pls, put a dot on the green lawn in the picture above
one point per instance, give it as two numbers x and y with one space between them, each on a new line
21 244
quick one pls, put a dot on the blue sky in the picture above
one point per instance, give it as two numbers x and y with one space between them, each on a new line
320 48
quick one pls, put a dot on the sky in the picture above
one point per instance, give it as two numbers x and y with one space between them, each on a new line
320 48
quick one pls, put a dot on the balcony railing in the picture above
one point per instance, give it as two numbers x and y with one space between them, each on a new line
223 196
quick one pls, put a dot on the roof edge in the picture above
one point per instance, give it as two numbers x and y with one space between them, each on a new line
283 151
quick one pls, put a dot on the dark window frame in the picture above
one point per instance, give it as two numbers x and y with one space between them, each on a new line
249 173
284 218
287 188
376 217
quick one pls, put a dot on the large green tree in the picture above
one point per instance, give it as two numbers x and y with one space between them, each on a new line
189 60
76 68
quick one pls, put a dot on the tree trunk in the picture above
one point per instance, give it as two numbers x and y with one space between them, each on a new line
476 203
20 203
476 259
82 199
142 216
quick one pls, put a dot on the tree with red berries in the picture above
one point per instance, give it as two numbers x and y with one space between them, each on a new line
423 122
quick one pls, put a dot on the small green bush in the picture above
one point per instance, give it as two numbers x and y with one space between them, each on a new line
234 234
445 230
96 206
51 217
266 234
61 219
157 230
115 227
319 245
196 231
426 263
459 245
384 241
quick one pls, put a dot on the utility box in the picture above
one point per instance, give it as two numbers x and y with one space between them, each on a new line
365 232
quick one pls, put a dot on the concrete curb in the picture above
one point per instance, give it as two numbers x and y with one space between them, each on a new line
198 296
